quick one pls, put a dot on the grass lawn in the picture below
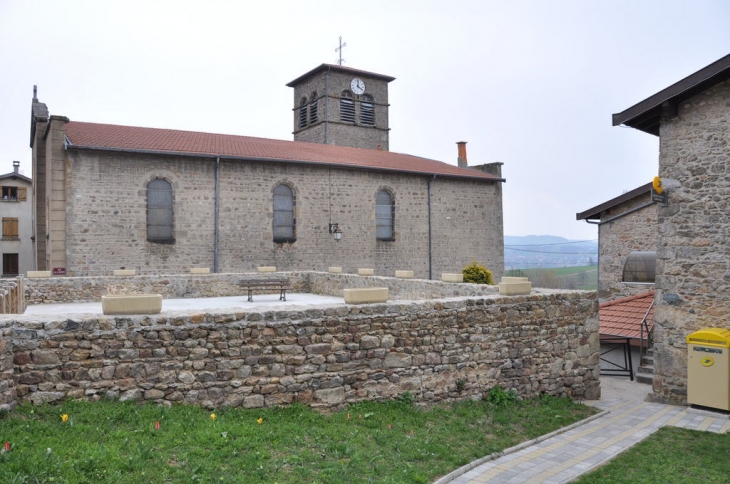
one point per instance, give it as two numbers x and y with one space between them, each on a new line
393 442
671 455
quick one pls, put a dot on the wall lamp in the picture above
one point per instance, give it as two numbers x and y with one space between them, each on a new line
336 232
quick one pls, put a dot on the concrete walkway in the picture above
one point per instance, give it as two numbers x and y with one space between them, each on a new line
575 450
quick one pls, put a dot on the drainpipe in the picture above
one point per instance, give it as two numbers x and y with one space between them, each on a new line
216 231
430 244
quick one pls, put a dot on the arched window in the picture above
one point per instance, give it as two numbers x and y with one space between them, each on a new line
384 209
313 114
284 222
303 112
159 212
347 107
367 110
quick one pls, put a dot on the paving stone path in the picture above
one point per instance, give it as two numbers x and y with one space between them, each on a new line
564 455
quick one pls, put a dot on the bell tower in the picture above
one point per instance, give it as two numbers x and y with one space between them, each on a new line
337 105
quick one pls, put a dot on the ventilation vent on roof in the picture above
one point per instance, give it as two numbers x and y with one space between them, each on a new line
367 111
303 112
313 114
347 108
640 267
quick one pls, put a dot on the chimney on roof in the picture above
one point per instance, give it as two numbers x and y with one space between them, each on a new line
16 166
462 154
35 93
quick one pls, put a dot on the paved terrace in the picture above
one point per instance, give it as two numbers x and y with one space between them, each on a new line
260 302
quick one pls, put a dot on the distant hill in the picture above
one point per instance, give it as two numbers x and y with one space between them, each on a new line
547 251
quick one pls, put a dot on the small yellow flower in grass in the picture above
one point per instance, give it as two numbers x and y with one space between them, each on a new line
64 418
260 421
213 416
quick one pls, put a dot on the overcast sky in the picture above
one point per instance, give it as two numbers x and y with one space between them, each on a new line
531 84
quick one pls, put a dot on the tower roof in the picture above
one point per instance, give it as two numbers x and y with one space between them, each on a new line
336 68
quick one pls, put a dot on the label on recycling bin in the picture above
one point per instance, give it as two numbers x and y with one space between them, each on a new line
707 350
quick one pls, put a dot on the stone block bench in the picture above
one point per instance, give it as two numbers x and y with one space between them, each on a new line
365 272
404 274
365 295
515 286
249 285
266 268
200 270
125 272
36 274
453 277
131 304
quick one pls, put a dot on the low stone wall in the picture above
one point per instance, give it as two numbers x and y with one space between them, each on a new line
439 350
54 290
12 300
330 284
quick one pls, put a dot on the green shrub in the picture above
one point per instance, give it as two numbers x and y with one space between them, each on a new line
477 274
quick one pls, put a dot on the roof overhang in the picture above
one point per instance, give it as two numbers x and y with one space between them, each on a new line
646 115
595 212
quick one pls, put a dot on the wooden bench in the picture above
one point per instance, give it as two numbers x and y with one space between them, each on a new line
250 285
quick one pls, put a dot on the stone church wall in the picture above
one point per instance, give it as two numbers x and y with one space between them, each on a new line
106 224
636 231
440 350
693 275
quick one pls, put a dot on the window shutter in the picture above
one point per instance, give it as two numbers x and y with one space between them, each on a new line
10 228
22 194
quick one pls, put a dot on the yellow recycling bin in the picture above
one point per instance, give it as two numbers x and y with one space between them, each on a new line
708 368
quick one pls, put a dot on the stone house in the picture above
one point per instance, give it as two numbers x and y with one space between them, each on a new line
163 201
626 224
692 120
16 211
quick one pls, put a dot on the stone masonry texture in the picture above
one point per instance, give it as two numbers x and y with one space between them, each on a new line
632 232
693 260
322 356
105 226
330 129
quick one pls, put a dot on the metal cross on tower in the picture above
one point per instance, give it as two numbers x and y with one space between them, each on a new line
339 49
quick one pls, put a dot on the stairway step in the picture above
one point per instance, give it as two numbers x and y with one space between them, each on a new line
646 369
644 378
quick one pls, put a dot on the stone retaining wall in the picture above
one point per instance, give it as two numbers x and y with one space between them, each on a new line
439 350
55 290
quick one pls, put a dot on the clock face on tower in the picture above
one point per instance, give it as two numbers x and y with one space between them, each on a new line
357 86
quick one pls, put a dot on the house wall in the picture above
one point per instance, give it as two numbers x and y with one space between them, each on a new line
22 210
105 218
693 260
635 231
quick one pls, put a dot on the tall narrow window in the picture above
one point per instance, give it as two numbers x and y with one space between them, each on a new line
347 107
10 228
367 110
384 209
284 222
159 212
303 112
313 114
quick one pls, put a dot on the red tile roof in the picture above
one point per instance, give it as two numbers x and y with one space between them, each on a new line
130 138
623 317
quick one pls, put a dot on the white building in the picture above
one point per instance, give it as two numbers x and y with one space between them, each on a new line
16 211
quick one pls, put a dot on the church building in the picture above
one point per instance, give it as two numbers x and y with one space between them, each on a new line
163 201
